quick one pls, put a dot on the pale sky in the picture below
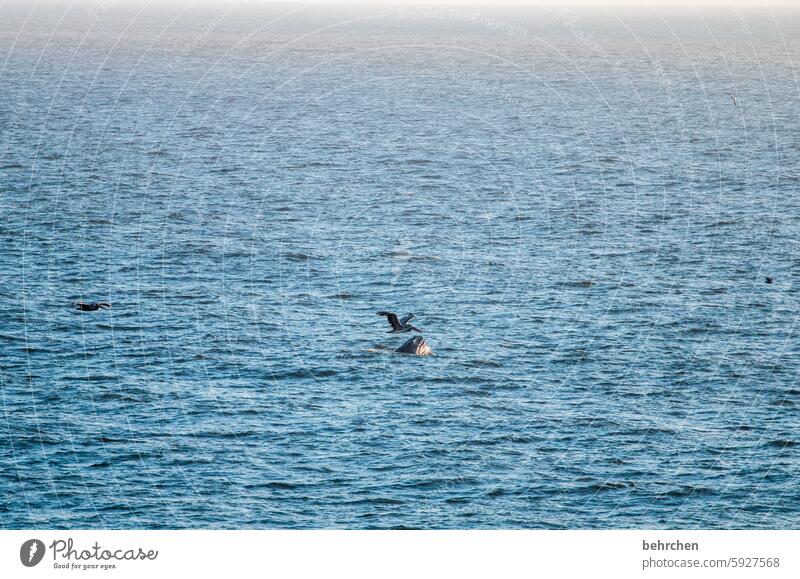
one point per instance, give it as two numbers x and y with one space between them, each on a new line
485 3
489 3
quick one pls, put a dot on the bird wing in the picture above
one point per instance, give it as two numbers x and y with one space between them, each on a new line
392 317
407 318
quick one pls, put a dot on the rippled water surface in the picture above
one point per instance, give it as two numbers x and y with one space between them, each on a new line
572 204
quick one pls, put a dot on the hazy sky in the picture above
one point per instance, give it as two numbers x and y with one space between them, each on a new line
439 3
489 3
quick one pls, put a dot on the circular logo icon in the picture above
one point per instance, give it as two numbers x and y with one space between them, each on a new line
31 552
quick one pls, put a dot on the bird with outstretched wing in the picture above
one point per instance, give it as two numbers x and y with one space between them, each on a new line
399 326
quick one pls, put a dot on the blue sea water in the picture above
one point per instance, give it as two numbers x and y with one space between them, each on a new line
569 200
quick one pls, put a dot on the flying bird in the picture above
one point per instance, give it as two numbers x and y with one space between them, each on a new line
733 98
93 307
399 326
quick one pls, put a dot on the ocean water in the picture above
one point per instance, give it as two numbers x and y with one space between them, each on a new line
570 201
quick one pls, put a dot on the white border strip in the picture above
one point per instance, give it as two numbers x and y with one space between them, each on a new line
387 554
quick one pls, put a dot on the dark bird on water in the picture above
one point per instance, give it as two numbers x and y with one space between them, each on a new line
93 307
399 326
768 279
